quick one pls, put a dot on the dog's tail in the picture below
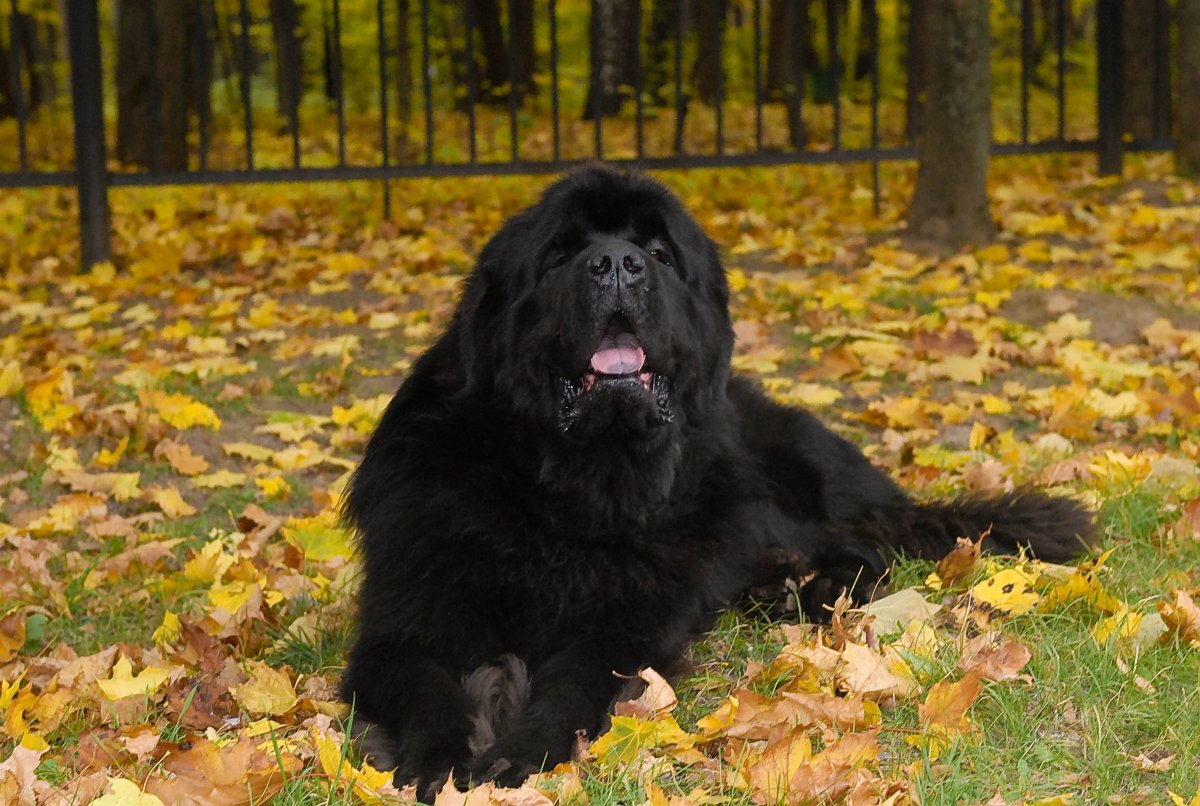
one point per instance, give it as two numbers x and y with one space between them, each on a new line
1050 528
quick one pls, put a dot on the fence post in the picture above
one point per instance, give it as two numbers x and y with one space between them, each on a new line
1109 70
91 174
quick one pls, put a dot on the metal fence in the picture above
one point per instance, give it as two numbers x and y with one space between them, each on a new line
428 88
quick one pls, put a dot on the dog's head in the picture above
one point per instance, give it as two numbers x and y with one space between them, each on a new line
601 310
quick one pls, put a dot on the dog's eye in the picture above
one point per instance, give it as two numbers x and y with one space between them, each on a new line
556 258
662 256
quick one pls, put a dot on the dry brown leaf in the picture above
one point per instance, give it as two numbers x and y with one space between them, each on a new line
1182 618
873 675
996 657
829 775
759 717
771 774
180 457
236 774
960 563
947 703
656 699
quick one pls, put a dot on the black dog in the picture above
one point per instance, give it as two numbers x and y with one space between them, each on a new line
571 484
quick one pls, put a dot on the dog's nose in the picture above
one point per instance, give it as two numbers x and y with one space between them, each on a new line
617 261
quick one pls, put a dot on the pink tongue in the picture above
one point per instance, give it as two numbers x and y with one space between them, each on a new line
619 355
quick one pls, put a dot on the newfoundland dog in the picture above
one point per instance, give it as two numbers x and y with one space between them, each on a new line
571 484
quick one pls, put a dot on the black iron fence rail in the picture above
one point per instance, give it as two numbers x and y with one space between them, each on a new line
469 99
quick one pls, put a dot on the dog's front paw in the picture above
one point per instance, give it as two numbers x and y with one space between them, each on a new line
505 769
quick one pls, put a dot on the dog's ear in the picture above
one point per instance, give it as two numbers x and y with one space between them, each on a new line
481 314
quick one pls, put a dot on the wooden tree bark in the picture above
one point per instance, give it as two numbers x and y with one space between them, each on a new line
706 70
1137 78
403 76
524 59
289 55
1187 114
154 82
950 203
659 49
613 56
790 57
490 30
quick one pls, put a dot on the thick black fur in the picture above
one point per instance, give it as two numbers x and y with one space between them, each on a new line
522 513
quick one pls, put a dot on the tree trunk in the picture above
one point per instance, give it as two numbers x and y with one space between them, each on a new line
950 204
154 86
1137 81
289 55
520 14
404 76
1187 122
790 55
706 70
916 67
659 48
494 75
613 56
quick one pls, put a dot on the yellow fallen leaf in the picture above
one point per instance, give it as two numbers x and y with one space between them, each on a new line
221 479
248 450
123 683
180 411
1008 592
368 783
274 487
268 691
171 502
209 564
1182 618
122 792
1123 624
321 537
168 632
10 378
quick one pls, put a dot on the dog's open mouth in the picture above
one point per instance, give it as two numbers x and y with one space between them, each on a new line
619 355
618 365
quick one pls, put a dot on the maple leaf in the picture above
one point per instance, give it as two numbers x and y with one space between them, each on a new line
1008 592
268 691
628 736
122 792
123 683
179 410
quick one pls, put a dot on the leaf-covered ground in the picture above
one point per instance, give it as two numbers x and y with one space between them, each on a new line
176 594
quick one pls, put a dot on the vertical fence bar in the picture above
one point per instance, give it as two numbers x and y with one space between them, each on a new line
18 89
426 86
872 12
244 79
680 98
514 149
639 111
297 83
835 70
1162 71
1026 64
1060 18
554 80
594 89
472 82
384 133
156 134
202 84
1108 79
339 74
758 92
87 99
720 88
